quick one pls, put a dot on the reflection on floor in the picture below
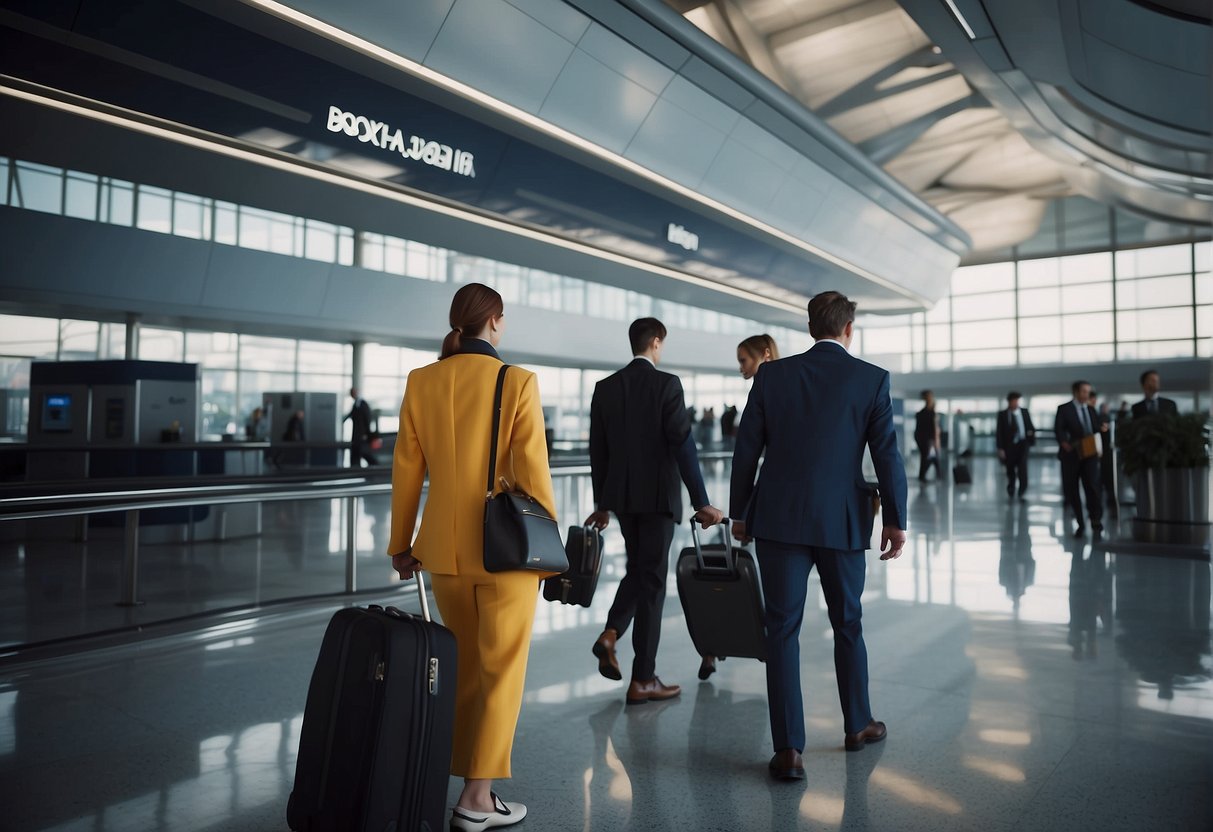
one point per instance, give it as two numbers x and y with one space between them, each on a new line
1029 680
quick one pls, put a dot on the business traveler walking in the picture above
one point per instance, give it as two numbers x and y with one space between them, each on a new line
1014 435
360 418
927 438
1075 428
752 353
813 414
445 423
640 444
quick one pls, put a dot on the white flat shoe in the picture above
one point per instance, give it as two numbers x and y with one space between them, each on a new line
506 814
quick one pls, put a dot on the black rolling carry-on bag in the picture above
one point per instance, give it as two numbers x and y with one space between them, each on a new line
576 586
961 474
375 748
722 598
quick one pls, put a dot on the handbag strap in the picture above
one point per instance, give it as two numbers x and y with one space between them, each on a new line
496 430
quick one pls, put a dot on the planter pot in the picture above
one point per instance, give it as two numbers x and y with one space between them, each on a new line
1172 506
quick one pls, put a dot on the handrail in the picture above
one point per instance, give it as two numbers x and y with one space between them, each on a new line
348 483
349 487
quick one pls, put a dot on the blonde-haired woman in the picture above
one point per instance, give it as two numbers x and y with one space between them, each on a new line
752 353
444 430
755 351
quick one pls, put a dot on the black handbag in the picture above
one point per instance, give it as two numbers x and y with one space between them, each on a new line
518 532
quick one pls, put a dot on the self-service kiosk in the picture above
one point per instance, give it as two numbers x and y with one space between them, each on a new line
119 419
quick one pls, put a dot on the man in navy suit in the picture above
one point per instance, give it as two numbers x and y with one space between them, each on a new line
813 414
1076 420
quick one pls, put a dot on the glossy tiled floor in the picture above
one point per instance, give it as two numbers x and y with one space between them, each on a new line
1029 682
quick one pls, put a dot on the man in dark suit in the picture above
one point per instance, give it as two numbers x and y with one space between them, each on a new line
926 436
1014 434
813 414
1152 403
640 443
1076 419
360 435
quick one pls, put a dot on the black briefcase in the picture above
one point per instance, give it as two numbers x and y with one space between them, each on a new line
375 747
576 586
721 596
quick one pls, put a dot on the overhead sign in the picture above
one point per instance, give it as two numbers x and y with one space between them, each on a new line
381 134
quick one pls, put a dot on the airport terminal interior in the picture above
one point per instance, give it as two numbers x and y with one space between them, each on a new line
227 224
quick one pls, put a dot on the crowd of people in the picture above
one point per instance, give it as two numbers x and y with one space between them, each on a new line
1082 430
810 416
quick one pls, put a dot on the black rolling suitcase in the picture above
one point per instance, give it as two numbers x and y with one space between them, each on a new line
576 586
722 598
375 748
961 475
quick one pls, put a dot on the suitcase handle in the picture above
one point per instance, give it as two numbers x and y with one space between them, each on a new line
425 601
730 558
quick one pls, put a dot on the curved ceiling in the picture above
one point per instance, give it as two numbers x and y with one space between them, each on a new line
990 109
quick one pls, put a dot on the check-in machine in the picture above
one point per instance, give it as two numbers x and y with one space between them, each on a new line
118 419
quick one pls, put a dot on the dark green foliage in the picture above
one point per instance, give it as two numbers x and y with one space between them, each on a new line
1165 440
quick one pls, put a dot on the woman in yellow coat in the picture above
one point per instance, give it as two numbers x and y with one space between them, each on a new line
445 422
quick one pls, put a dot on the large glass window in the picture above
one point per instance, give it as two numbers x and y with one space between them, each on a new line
38 188
154 209
30 337
80 196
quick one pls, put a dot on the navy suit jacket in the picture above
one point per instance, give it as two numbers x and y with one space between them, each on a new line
1067 427
640 444
813 414
1164 406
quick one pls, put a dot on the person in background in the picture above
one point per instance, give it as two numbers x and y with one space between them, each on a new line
1014 435
257 428
640 445
813 415
926 436
1077 420
707 428
360 431
444 431
728 424
294 428
755 351
1153 403
752 353
1107 461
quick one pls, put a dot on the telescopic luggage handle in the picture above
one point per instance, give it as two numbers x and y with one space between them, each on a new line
730 559
425 601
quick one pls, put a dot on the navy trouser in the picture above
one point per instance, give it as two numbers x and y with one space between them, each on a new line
785 579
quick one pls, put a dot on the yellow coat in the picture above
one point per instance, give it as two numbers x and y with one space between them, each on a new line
445 420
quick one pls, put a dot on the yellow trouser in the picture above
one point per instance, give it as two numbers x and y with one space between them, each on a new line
491 616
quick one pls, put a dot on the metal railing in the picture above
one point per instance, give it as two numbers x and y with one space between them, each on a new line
349 486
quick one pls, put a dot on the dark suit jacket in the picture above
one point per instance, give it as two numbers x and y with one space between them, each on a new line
1005 432
360 416
1067 427
813 413
640 442
1164 406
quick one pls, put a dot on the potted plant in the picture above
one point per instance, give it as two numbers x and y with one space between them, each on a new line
1167 458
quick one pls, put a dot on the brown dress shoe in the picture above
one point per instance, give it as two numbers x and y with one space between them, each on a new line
604 650
875 732
651 690
787 765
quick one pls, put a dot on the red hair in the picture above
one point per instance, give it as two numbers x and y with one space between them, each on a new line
473 306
